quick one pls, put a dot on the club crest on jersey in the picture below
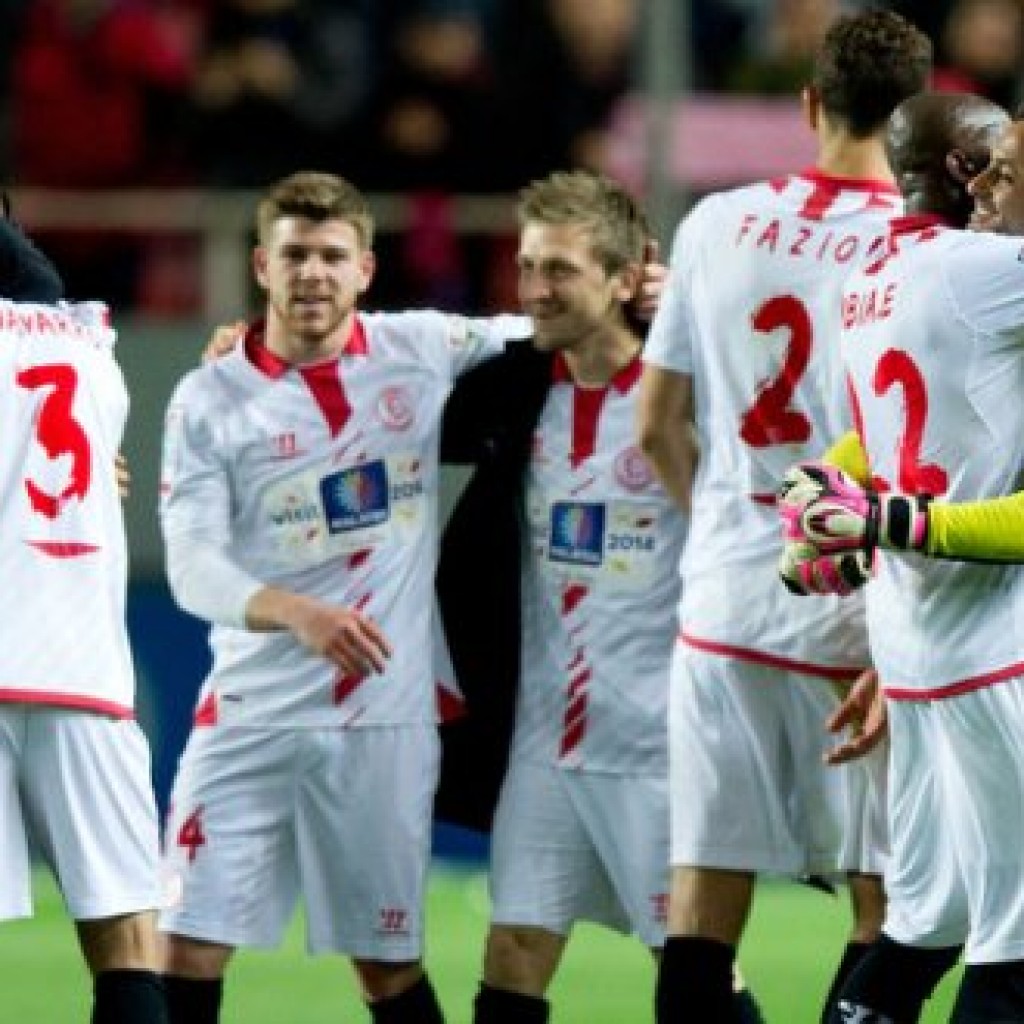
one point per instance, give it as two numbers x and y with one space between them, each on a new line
577 532
357 497
632 471
395 408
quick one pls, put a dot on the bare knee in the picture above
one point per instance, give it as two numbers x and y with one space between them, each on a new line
126 942
710 903
194 958
867 898
521 959
380 979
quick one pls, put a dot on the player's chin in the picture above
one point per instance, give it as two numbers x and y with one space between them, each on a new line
988 222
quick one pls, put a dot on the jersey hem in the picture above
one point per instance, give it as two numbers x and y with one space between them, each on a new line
958 688
72 701
831 672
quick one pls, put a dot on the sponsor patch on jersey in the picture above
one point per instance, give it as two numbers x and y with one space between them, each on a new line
356 497
577 532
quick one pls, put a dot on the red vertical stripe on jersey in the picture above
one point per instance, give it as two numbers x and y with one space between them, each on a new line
574 722
206 713
450 706
324 383
823 195
571 597
586 411
345 686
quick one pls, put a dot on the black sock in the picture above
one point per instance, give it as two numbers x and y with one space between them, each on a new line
128 997
852 955
891 983
695 982
499 1006
416 1005
193 1000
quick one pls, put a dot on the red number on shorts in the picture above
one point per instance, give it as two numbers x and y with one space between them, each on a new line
913 477
191 835
770 420
60 434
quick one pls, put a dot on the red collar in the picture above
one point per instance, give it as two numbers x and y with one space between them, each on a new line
623 380
820 177
911 222
273 366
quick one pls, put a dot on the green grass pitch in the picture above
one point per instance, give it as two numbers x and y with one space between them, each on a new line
793 942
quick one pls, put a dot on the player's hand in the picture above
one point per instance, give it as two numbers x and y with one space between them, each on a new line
804 572
344 636
652 284
224 340
824 507
123 476
863 716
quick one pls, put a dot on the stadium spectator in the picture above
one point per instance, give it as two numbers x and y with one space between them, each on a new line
743 360
74 764
298 508
942 633
299 67
581 830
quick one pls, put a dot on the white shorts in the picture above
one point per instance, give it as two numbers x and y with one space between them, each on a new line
956 810
748 788
341 816
570 846
76 785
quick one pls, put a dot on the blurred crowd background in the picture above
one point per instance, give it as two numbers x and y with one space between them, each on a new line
427 99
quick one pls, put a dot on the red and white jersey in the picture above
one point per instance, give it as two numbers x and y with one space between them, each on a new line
751 312
599 587
63 405
933 340
321 480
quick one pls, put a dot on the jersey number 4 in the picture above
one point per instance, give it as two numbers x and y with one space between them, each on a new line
771 420
896 368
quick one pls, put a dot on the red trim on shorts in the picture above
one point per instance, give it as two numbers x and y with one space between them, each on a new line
72 701
958 688
770 660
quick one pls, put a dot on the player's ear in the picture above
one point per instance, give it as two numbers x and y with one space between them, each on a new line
367 268
810 104
630 278
259 264
962 167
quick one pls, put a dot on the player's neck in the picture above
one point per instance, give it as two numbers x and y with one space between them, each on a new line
595 360
843 156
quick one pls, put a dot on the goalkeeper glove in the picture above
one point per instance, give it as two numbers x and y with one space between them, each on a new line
824 507
841 573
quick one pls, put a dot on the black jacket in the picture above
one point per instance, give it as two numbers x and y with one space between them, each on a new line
489 422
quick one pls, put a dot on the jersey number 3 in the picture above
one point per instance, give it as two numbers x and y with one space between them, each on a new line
771 420
59 433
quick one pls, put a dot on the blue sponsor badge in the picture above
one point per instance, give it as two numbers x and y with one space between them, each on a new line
357 497
577 532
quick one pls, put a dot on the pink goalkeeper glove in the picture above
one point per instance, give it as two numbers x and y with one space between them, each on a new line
840 574
827 511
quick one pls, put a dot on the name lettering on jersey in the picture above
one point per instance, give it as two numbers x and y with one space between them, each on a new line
801 241
861 309
45 321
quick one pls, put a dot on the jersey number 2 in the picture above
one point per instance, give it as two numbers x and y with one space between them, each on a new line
771 420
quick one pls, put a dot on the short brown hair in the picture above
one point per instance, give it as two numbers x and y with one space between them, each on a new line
319 197
618 226
867 65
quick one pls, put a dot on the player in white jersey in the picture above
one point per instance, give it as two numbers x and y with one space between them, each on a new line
743 350
934 345
298 508
74 764
581 828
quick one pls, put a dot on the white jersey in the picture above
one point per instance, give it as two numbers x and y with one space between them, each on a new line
933 340
321 480
751 312
599 587
63 405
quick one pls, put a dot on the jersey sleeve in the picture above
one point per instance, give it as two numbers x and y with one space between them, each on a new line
987 531
669 342
195 516
985 281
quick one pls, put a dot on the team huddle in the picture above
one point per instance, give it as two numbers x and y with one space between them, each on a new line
761 523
